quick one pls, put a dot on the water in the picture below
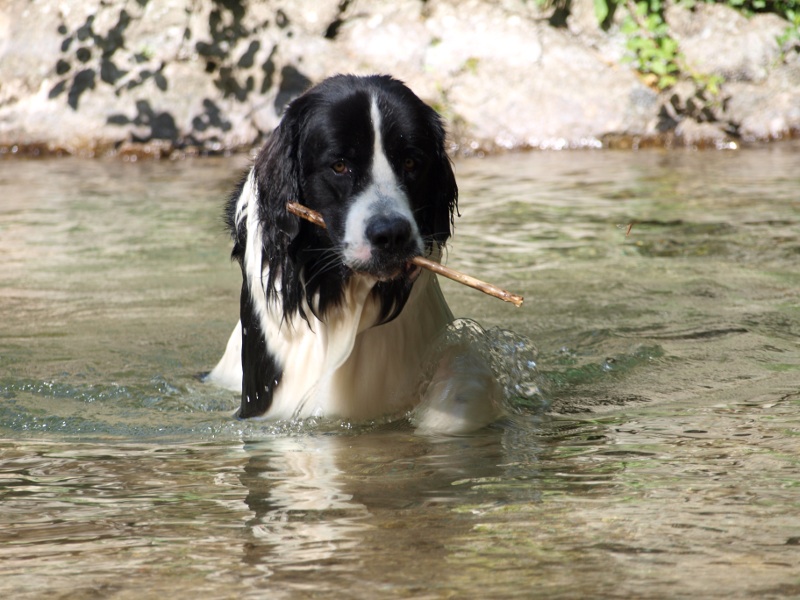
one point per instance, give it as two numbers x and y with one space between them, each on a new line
666 464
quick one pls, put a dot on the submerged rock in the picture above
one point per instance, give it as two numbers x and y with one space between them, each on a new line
166 78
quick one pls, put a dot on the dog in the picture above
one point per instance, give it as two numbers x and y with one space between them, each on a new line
336 322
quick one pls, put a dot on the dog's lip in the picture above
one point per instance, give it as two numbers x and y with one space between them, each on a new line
408 270
412 270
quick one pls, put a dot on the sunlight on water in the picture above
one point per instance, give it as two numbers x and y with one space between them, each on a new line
650 384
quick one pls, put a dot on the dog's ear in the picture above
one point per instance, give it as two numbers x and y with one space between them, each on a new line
444 192
446 206
277 175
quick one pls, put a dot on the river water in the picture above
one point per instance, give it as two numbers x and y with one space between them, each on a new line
660 458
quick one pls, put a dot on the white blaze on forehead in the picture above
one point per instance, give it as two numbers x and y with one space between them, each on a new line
382 173
382 196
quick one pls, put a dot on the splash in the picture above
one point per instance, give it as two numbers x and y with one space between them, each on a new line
511 357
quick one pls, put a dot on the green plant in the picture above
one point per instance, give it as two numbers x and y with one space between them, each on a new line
654 52
791 35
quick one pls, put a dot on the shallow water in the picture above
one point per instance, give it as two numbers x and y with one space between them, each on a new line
666 466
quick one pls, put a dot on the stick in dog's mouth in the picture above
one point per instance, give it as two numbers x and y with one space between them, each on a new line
420 261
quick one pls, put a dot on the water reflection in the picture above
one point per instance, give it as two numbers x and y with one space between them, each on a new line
563 504
319 501
302 516
333 511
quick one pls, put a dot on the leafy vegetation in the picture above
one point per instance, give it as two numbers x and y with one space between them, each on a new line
655 53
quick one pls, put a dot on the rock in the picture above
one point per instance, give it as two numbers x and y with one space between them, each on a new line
504 79
88 78
188 76
563 96
609 43
770 110
702 135
716 39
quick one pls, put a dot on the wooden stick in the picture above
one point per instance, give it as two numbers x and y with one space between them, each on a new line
420 261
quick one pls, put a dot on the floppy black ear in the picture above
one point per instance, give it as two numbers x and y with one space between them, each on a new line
446 199
444 192
277 176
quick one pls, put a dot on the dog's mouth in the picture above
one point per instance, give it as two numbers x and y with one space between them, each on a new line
404 271
408 271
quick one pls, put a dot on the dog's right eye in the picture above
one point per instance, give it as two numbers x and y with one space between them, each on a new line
339 167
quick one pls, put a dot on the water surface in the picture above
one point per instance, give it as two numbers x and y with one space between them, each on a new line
666 465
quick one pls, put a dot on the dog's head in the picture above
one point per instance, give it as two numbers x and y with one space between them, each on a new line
369 155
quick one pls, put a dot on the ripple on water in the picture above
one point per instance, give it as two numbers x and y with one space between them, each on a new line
160 408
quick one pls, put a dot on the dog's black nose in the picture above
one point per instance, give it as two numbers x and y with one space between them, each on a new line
389 233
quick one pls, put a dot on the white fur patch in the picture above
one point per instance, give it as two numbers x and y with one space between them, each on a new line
383 196
228 372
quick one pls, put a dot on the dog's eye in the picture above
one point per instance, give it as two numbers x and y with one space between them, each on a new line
339 167
409 165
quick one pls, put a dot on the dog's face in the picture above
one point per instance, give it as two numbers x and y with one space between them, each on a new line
369 155
368 179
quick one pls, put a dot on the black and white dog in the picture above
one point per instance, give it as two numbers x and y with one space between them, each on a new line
334 322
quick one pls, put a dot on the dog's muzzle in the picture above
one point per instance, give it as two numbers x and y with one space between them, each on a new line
390 242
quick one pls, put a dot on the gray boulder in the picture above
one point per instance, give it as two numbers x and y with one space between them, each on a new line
181 76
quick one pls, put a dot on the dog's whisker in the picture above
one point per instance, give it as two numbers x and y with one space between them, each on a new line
327 264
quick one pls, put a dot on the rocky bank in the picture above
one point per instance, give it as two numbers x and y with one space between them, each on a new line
172 77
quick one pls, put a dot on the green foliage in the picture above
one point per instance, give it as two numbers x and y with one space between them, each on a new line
750 7
601 10
655 53
791 35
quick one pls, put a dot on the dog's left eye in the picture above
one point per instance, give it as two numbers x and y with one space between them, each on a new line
409 165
